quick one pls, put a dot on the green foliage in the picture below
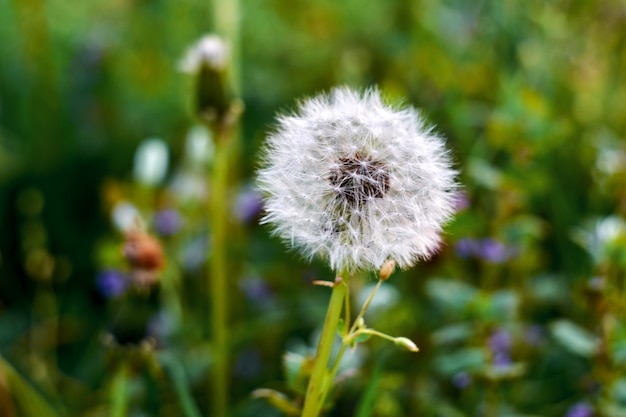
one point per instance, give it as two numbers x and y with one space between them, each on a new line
521 313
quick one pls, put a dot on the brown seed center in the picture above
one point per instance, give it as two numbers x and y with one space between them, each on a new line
358 179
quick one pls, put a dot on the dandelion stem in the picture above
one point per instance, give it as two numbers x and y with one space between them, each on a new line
320 382
352 333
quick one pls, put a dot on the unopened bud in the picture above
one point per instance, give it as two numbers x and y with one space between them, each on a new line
208 60
387 269
405 343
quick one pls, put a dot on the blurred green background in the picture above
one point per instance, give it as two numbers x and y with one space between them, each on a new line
521 314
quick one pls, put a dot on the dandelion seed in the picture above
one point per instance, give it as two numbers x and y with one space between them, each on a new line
357 182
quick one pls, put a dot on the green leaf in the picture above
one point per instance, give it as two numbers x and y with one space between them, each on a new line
470 359
362 337
297 369
28 399
450 294
181 385
574 338
341 327
277 399
366 404
484 174
453 333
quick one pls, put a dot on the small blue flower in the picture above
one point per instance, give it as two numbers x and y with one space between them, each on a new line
494 251
500 341
467 248
461 380
501 359
167 222
256 290
248 205
111 283
581 409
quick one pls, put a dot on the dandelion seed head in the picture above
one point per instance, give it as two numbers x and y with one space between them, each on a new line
357 182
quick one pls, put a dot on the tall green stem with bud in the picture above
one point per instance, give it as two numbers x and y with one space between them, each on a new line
226 24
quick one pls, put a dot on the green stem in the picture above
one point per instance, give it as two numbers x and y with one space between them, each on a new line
119 392
226 23
177 374
218 281
350 334
319 383
371 332
365 306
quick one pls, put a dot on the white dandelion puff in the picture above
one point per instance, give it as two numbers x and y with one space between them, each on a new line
210 50
357 182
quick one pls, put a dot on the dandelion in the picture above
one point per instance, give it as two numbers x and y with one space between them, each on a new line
357 182
364 185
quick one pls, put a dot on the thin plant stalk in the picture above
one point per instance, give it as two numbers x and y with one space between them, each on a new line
218 282
119 392
352 332
44 340
226 24
322 377
319 382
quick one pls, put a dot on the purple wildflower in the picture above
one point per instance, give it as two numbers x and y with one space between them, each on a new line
494 251
461 201
581 409
501 359
466 248
248 205
111 283
500 341
256 289
167 222
461 380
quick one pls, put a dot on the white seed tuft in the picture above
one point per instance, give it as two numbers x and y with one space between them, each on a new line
357 182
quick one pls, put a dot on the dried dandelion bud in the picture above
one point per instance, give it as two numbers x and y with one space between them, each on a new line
143 251
387 269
